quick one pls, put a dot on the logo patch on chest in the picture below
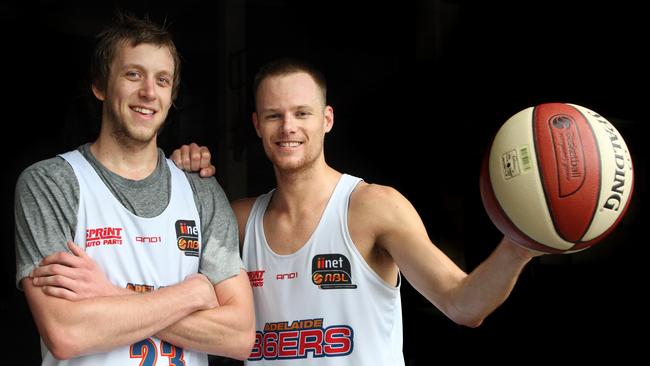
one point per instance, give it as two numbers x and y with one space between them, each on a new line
187 237
331 271
256 278
103 236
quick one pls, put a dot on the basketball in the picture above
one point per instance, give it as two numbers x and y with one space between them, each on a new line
557 178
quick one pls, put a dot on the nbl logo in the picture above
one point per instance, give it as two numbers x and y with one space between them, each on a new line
187 237
331 271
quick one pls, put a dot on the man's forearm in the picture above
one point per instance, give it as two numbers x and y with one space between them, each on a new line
491 282
227 330
216 331
98 324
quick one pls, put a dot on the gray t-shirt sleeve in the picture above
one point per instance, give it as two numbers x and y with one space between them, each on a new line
45 210
220 258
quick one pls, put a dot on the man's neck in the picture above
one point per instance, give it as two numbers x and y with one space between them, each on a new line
299 191
130 162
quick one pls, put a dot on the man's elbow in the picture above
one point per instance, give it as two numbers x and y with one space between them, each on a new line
237 344
466 317
470 322
245 344
61 354
61 345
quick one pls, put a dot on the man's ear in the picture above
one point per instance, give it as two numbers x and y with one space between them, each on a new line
329 118
98 93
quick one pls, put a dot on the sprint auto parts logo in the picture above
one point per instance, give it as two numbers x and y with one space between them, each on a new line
104 236
331 271
187 237
256 278
301 339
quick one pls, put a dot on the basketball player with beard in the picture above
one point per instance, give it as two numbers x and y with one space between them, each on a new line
123 258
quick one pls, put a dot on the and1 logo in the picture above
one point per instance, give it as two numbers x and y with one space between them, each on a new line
187 237
331 271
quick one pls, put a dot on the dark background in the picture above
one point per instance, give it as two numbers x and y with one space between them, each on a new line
418 88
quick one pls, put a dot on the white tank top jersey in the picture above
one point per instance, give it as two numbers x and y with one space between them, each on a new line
323 304
143 254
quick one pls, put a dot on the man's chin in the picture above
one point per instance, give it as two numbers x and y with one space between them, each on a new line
136 138
292 166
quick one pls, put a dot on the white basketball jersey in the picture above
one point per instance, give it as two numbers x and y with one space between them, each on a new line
143 254
322 305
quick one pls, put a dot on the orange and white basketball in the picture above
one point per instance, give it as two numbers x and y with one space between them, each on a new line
558 178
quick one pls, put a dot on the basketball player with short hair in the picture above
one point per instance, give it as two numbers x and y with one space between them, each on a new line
153 275
325 250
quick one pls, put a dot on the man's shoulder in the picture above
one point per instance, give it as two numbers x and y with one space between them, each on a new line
55 170
208 194
375 204
51 180
201 185
371 194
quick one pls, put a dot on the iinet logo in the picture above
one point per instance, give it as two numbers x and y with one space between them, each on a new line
329 263
332 271
187 237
